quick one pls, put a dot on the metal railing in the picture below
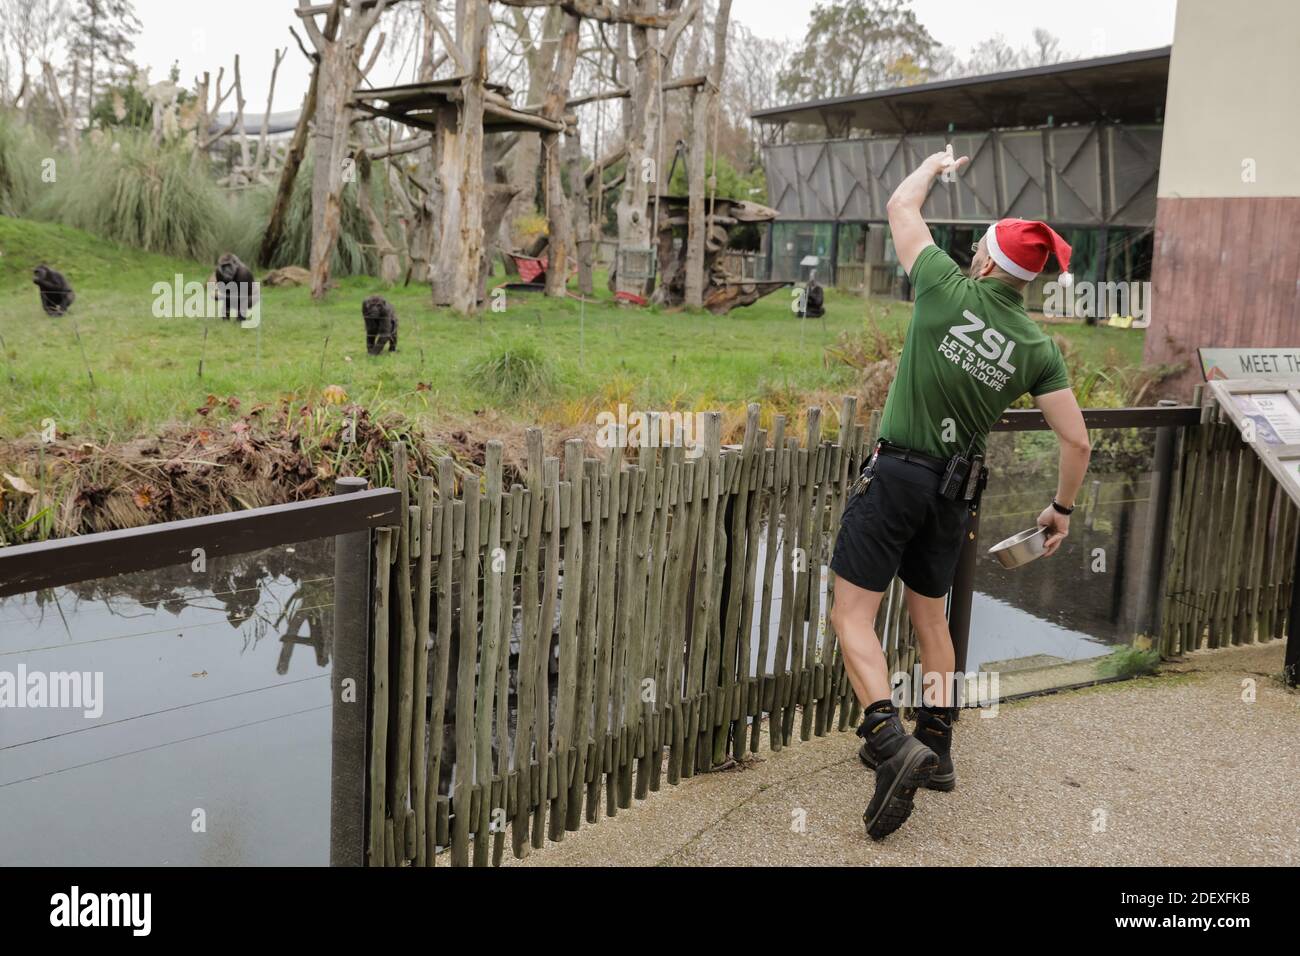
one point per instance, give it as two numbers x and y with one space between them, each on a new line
348 517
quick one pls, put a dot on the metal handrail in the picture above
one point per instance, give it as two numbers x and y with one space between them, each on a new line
46 564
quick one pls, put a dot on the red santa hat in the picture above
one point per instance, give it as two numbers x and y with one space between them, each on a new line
1020 248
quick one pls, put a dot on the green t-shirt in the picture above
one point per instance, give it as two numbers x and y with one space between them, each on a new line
970 352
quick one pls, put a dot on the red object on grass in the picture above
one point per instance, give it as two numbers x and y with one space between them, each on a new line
530 269
630 297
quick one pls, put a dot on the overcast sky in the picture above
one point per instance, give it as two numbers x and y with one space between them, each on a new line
186 30
1088 27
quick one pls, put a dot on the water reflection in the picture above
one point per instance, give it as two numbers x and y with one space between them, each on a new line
216 716
1080 602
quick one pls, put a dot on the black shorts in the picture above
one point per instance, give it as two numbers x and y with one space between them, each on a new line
900 525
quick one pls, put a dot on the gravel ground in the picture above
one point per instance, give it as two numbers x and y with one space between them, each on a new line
1175 770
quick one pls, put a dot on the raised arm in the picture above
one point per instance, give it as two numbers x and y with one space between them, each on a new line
1061 409
909 230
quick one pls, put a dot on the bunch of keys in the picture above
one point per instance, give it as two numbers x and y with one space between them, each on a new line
864 479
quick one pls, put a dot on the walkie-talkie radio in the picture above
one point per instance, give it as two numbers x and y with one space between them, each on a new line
961 479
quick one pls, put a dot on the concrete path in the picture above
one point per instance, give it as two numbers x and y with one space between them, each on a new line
1175 770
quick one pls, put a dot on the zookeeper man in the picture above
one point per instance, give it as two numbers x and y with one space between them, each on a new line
971 350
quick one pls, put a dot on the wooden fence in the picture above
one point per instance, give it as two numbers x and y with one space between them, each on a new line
545 654
593 621
1231 551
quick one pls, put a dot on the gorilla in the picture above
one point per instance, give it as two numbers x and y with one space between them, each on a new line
814 300
56 294
234 285
381 324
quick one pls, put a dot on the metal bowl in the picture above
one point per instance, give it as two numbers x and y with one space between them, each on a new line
1020 548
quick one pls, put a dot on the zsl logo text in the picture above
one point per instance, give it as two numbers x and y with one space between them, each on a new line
993 344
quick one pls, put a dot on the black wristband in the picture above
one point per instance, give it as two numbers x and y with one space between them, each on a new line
1061 509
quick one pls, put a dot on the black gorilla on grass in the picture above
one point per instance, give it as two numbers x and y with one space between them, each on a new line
814 305
381 324
56 294
234 286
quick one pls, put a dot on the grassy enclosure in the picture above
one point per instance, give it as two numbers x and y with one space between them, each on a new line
147 370
132 377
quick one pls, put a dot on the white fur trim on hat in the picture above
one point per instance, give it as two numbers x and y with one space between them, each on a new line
1002 259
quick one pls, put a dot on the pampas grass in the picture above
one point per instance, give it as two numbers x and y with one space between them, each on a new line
127 190
163 199
21 153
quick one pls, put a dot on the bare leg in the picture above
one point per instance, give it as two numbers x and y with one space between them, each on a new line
935 644
902 763
854 617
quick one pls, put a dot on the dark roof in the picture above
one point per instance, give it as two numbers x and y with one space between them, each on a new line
1128 87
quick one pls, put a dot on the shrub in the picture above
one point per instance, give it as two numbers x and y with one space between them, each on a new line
513 371
872 342
1132 661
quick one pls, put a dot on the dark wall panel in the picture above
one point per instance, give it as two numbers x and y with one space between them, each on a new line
1074 157
1071 175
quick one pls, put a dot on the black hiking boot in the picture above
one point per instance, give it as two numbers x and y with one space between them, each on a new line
902 764
935 731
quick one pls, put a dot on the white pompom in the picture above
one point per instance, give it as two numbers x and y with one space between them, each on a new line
1066 279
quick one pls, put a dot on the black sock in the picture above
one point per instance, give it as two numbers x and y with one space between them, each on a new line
879 707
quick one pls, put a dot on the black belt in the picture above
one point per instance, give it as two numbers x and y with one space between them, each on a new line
937 465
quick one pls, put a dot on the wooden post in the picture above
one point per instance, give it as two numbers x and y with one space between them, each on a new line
399 754
350 659
963 586
1149 592
376 850
1291 664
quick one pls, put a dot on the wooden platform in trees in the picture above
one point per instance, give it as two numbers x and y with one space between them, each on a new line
420 104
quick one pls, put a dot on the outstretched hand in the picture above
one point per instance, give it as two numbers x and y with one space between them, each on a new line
942 162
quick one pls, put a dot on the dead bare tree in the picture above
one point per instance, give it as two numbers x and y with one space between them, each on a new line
642 116
580 203
263 163
704 119
30 31
66 116
206 132
537 43
340 71
559 223
241 172
458 151
390 265
297 146
426 212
